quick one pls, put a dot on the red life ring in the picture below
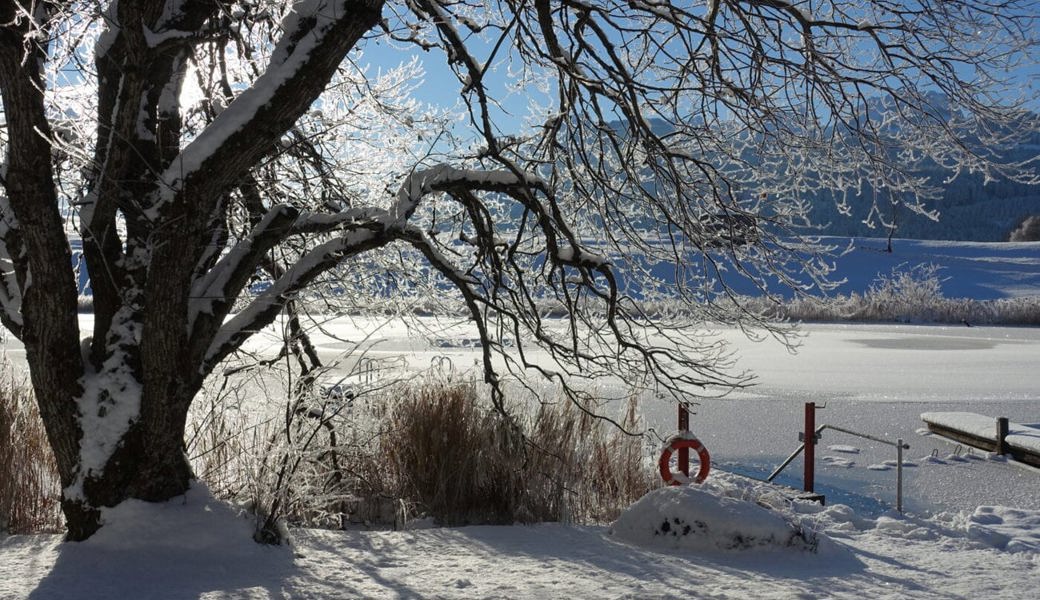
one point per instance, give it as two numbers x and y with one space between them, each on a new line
679 442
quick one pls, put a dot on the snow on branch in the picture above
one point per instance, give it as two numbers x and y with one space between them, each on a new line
220 284
265 307
315 222
442 178
307 30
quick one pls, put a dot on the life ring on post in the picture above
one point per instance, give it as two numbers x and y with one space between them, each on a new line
684 440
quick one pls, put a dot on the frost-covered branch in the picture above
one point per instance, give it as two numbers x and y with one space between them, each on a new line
215 291
263 309
443 178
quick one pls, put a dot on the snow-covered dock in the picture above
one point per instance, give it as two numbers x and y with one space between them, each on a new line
1021 442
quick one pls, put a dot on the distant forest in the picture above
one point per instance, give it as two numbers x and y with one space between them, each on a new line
970 210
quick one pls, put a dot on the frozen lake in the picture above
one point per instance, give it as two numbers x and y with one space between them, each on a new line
878 379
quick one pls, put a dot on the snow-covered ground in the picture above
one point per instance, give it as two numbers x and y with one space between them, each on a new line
979 270
196 548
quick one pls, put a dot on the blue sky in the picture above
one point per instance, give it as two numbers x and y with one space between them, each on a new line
441 86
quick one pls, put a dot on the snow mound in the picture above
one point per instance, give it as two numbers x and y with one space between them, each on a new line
838 519
905 528
1010 529
183 548
192 523
700 518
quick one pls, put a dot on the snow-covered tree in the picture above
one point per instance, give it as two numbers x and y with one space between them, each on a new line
202 144
1028 230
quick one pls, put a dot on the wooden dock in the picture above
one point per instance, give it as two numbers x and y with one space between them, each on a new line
1020 442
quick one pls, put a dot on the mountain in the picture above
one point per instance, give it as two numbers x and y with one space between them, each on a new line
970 209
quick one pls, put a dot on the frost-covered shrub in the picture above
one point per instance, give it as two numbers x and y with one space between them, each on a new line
1027 231
911 295
29 487
430 449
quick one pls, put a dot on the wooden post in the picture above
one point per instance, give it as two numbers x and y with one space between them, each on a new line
1002 432
684 426
810 446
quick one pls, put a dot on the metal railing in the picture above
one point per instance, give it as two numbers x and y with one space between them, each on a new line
899 445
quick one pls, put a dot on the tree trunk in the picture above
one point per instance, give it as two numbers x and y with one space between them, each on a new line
149 463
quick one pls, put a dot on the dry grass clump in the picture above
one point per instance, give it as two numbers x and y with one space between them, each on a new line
458 461
583 468
29 484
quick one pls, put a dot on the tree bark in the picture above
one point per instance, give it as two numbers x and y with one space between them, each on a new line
149 464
